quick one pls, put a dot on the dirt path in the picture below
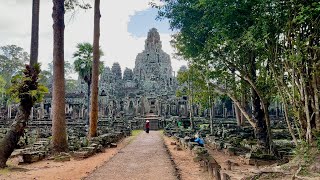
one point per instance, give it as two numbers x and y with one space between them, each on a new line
144 158
50 170
188 169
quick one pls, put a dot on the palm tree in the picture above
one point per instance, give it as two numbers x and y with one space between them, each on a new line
34 32
59 134
95 71
83 65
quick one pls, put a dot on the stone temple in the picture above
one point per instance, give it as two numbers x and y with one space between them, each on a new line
143 90
146 91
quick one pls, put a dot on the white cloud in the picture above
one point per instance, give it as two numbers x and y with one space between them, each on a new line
115 40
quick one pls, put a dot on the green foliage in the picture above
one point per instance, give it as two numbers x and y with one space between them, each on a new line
317 136
265 46
76 4
303 151
83 61
2 85
136 132
25 86
71 85
2 90
193 84
12 60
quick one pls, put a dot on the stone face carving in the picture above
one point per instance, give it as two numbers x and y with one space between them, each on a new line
153 71
116 70
127 75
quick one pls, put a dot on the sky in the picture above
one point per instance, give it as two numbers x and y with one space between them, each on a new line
124 28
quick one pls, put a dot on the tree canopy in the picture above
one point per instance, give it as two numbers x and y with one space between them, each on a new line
261 48
83 61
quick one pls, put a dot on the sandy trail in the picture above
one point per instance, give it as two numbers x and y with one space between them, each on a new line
145 158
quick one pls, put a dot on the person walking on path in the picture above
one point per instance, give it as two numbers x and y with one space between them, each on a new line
147 126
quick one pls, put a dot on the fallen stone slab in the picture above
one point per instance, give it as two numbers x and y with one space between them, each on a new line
113 145
34 156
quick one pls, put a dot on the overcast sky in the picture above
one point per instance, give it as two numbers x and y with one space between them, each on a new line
124 27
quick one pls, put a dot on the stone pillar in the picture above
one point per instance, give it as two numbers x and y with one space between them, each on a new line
50 113
41 110
233 110
9 111
31 115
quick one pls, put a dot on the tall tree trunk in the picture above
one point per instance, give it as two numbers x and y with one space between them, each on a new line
191 113
59 134
286 115
211 116
306 110
34 32
95 71
88 103
10 141
243 104
316 99
238 115
261 130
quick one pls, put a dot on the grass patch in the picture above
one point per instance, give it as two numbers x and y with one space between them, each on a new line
134 135
4 171
161 131
136 132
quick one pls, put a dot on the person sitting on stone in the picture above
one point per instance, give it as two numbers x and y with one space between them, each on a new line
199 140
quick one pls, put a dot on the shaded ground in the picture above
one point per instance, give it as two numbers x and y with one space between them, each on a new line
145 158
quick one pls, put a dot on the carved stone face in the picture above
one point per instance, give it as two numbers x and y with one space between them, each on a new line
153 78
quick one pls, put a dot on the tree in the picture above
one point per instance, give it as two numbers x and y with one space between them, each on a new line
12 60
228 38
83 65
59 134
294 55
95 71
71 85
268 46
27 92
35 32
2 90
200 93
75 4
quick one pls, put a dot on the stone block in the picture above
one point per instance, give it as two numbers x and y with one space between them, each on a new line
173 143
199 151
214 171
191 145
231 151
113 145
81 154
62 158
225 176
30 157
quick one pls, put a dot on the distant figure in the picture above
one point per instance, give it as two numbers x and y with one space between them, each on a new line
199 140
147 126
